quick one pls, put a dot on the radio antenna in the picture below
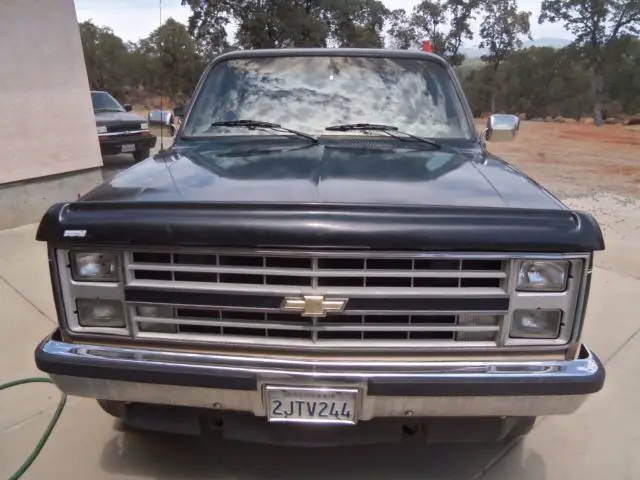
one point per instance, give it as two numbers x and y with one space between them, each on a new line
161 89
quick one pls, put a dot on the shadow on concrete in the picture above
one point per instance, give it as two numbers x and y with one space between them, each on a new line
172 457
519 463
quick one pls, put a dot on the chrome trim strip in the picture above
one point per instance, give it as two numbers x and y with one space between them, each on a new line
319 272
227 308
318 368
362 252
333 374
323 327
123 133
315 344
359 292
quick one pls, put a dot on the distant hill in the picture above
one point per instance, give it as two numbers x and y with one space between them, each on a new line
472 53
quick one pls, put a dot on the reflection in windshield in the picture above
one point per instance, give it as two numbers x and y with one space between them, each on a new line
310 93
104 101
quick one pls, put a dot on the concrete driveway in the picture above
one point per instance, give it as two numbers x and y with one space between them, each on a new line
600 441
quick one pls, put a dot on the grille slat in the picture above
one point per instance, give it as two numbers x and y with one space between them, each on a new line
299 272
342 327
123 128
394 299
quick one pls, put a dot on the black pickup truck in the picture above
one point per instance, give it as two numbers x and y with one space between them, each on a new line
119 130
327 254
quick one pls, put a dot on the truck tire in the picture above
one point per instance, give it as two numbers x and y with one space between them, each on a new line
521 429
115 409
140 155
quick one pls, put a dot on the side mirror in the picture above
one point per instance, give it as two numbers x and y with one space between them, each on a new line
502 128
179 111
127 107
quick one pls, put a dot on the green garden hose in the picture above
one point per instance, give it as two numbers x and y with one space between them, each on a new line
45 436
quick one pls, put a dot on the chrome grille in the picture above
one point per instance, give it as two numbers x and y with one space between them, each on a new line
395 300
191 321
307 271
123 128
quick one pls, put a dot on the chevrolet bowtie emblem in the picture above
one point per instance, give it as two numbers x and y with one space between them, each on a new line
313 305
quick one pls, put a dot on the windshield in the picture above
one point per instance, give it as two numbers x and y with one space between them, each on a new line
310 93
104 101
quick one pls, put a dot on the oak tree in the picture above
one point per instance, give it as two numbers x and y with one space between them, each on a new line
501 31
596 25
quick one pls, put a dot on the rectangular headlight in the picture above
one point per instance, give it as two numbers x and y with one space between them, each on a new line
543 275
144 126
100 313
543 324
94 266
101 130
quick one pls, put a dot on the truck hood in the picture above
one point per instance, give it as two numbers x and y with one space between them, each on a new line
376 195
341 172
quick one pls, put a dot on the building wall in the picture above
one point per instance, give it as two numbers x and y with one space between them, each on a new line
47 128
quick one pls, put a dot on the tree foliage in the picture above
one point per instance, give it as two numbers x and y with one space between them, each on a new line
171 61
545 82
502 29
105 57
446 23
166 62
540 82
288 23
597 26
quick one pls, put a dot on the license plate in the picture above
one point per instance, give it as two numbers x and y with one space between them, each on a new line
128 148
312 405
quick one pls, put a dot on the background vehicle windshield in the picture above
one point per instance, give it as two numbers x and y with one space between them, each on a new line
310 93
104 101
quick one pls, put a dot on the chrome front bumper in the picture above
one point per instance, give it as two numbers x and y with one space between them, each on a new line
388 389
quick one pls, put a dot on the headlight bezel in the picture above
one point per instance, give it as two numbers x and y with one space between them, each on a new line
71 290
569 300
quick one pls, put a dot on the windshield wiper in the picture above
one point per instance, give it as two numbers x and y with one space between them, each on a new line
380 128
254 124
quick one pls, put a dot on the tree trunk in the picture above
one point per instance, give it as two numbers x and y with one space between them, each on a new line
598 87
494 87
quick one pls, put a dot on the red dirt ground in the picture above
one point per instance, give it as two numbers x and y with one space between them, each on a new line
576 158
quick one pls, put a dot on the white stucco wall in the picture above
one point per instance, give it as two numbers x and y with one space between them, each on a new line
46 119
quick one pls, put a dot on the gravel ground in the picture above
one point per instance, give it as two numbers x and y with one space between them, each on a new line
596 170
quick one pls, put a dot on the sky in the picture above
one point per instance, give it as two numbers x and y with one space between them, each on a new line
135 19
